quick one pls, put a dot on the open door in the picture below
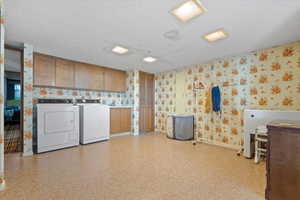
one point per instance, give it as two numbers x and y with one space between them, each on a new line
13 138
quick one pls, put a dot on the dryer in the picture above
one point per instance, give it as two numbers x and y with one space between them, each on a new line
57 126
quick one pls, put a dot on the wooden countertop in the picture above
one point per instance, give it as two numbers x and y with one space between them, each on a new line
284 124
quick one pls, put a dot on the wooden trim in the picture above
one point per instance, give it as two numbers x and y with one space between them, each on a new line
33 69
10 47
22 101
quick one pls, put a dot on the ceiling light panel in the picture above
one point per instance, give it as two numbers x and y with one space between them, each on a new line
150 59
119 50
215 36
188 10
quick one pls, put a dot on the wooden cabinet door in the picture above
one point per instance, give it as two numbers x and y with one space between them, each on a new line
120 120
142 119
89 77
96 81
120 81
115 80
142 89
125 120
148 116
149 90
64 73
115 120
109 80
146 119
82 76
44 70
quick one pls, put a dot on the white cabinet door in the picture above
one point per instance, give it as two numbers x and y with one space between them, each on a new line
58 126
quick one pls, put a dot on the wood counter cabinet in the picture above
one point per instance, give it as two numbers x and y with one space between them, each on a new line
283 161
120 120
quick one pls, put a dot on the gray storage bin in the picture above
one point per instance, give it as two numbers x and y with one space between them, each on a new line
180 127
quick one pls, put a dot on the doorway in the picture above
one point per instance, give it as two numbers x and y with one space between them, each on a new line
13 137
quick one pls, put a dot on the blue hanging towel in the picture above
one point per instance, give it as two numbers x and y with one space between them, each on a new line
216 99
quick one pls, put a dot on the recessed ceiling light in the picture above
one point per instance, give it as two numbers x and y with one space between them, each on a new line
188 10
217 35
119 50
150 59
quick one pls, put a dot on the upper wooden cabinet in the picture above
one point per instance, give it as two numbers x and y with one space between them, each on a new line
64 73
89 77
109 80
82 79
115 80
121 81
55 72
96 78
44 70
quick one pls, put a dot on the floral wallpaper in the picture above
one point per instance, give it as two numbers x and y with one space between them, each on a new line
133 99
136 99
27 99
2 180
267 79
165 98
105 97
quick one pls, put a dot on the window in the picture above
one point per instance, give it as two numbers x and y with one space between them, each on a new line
17 89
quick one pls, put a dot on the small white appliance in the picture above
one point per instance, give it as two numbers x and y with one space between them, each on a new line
255 118
94 123
57 126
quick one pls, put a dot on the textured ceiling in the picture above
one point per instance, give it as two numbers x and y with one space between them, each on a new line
87 30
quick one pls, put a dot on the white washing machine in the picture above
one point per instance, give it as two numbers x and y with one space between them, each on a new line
57 126
94 123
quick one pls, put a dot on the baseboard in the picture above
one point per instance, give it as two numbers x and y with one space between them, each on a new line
215 143
121 134
2 185
221 144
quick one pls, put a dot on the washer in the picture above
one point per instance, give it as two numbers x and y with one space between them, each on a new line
94 123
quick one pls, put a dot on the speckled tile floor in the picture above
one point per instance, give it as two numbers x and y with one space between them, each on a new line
142 167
